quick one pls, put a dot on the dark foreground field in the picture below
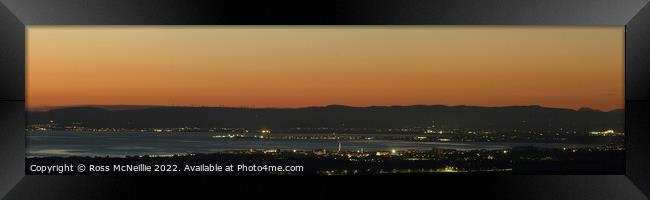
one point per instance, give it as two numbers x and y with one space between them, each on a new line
513 161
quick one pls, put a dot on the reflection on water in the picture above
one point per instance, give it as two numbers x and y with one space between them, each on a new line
123 144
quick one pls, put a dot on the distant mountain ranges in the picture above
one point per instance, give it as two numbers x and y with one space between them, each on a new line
522 118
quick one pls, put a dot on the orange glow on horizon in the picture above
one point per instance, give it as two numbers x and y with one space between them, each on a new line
283 66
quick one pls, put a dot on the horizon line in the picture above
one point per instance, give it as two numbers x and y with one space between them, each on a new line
48 108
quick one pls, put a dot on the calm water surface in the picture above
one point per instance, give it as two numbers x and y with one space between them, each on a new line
62 143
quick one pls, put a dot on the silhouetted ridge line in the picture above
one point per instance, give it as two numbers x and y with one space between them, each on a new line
521 118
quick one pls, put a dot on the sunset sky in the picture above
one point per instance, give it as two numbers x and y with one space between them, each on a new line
287 66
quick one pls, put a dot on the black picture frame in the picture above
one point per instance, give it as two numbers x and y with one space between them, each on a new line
15 15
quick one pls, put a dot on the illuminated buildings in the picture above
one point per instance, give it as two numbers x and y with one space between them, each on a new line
265 131
320 152
609 132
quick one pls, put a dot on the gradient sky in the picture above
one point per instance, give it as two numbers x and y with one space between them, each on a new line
285 66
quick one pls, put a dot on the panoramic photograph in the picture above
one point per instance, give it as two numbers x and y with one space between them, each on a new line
325 100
